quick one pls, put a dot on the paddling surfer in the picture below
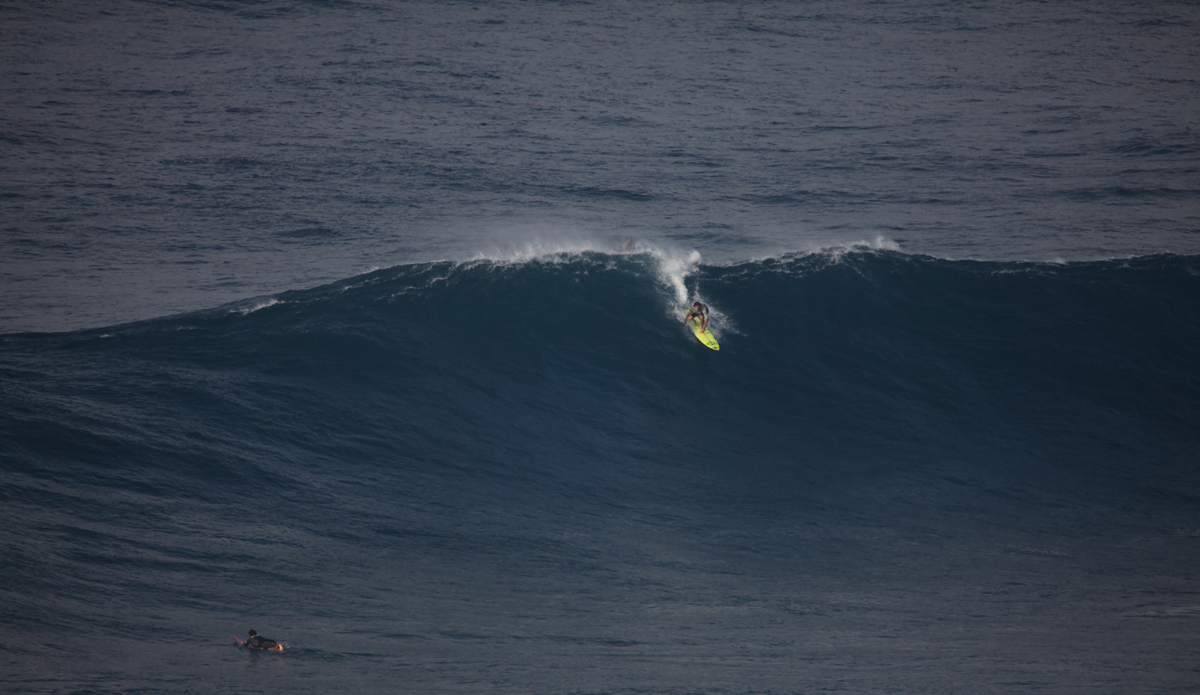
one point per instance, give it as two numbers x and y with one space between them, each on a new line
257 641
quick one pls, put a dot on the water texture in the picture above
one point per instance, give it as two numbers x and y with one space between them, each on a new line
159 157
318 318
899 472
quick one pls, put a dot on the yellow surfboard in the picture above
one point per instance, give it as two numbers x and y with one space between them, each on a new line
704 335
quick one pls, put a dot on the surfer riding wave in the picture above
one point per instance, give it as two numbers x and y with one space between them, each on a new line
699 311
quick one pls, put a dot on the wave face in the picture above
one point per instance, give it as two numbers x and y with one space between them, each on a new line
552 418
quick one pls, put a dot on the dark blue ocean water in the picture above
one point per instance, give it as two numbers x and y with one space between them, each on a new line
316 320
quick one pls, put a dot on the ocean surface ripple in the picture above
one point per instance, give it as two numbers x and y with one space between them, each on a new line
531 462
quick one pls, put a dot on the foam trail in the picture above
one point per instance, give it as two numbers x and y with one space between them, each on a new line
674 266
541 249
674 269
249 306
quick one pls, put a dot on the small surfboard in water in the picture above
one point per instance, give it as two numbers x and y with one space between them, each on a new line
704 335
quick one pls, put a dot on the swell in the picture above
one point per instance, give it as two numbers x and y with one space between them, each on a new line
466 413
544 369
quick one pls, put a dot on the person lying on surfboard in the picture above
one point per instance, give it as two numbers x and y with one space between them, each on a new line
701 311
257 641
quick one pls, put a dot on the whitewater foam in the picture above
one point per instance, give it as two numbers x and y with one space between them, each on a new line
250 306
673 266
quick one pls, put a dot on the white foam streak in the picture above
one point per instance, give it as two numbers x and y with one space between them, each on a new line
879 243
673 265
673 271
540 250
250 306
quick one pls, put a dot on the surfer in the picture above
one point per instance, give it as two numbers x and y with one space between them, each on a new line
257 641
699 311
